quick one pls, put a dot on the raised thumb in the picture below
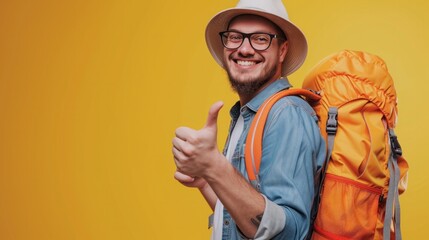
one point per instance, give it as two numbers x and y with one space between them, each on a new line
213 114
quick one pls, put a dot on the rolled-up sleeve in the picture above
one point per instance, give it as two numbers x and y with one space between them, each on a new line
273 220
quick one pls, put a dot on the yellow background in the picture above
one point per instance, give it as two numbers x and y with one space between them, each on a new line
92 91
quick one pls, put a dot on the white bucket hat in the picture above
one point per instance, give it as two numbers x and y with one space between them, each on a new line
273 10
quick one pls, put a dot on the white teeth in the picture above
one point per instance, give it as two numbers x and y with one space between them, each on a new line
245 63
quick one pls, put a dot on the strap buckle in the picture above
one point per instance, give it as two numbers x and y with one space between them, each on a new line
394 143
332 122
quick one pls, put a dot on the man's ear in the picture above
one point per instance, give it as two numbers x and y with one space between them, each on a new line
283 50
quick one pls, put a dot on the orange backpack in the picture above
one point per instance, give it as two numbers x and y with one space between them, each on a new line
364 171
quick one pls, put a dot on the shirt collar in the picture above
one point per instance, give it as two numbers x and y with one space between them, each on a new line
271 89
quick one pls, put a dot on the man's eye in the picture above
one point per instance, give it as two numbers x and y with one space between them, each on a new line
235 37
261 38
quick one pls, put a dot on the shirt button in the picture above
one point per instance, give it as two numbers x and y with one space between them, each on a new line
226 222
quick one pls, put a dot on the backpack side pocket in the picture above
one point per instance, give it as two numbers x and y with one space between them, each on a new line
354 217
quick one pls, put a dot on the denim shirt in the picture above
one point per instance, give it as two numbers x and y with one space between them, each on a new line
293 151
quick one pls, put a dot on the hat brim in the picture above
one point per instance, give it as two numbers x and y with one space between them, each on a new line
297 44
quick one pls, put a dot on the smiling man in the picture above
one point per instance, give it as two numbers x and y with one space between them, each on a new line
252 64
258 47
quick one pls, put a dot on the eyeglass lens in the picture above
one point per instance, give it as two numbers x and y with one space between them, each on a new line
233 40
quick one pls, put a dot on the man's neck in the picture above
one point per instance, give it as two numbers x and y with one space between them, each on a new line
245 98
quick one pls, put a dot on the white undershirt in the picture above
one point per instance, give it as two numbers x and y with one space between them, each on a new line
218 213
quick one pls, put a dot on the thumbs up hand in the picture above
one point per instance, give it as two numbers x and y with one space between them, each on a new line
195 151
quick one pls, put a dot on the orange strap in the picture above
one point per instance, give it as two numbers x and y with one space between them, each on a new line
253 151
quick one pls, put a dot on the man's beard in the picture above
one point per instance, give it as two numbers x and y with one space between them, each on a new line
251 85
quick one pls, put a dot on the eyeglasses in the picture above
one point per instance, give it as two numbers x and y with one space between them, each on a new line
259 41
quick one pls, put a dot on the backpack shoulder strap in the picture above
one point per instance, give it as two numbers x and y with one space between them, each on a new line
253 148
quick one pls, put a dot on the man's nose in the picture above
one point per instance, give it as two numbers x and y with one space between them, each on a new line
246 48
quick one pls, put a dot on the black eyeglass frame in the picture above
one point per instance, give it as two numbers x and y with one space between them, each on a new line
248 35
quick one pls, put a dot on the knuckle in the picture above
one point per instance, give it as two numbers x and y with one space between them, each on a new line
188 150
192 138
